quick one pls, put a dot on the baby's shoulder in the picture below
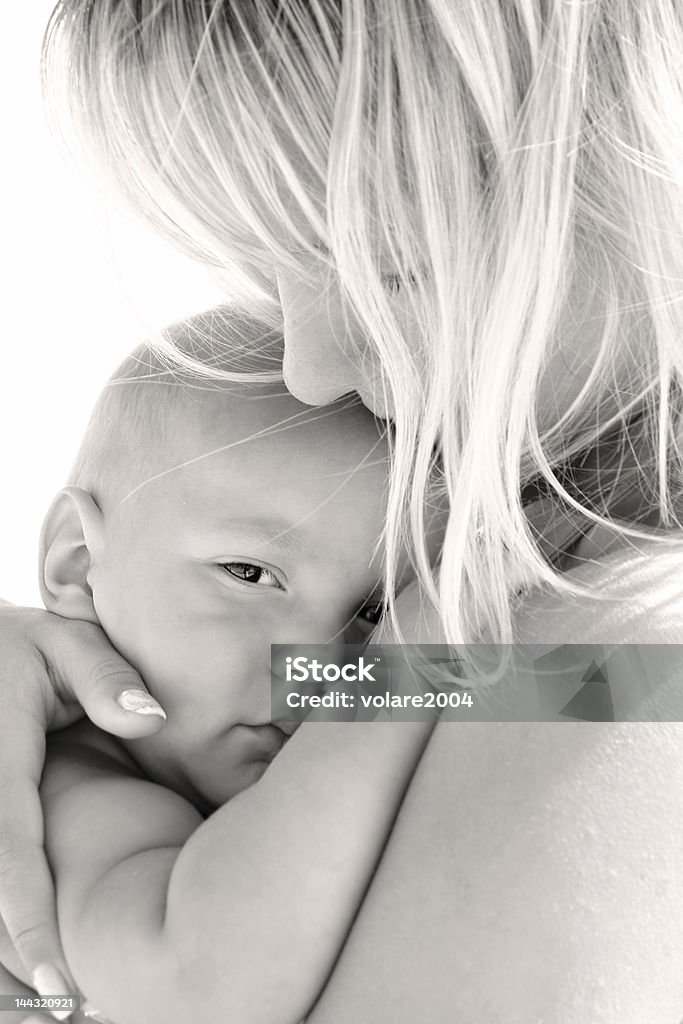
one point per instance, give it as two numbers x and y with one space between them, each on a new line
82 751
89 777
85 736
99 809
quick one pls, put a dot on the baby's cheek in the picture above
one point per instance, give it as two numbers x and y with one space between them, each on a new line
118 593
134 629
112 613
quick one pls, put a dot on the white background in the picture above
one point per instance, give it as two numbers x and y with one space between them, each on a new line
82 283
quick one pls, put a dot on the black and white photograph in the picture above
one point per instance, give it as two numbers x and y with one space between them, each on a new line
341 617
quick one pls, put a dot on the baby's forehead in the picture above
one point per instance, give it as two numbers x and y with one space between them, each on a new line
267 417
237 454
209 434
261 443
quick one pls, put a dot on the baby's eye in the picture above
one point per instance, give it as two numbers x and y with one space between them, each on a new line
372 613
249 572
364 622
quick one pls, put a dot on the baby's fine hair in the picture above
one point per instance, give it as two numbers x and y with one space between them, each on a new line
492 152
141 413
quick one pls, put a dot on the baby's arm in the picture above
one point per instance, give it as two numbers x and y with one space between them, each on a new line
168 918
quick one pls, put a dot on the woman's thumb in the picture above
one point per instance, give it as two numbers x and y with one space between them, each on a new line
110 691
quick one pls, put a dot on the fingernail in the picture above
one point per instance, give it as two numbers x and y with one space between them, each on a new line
89 1011
48 980
140 703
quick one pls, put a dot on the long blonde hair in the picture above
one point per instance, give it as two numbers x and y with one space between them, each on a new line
490 154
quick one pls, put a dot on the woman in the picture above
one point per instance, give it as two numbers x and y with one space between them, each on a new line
469 214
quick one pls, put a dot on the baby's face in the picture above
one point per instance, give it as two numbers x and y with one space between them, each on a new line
267 541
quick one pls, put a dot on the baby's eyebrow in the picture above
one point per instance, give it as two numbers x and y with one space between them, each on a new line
267 531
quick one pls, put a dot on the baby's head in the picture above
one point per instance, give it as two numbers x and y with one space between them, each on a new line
204 521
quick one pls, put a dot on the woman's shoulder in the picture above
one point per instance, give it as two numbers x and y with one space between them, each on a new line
631 593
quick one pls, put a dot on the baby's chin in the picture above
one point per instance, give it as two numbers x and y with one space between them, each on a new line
214 792
209 770
209 789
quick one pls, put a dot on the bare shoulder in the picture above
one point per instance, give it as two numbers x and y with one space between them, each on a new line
528 877
84 757
632 595
84 746
99 809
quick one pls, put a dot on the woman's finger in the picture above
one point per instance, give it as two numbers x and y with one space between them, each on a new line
87 669
49 665
27 902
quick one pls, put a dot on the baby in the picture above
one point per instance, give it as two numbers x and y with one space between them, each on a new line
204 521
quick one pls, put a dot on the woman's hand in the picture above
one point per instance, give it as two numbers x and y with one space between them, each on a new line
51 670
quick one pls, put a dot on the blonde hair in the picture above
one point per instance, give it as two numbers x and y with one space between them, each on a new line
489 153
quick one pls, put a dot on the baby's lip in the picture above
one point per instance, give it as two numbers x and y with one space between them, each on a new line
288 728
268 737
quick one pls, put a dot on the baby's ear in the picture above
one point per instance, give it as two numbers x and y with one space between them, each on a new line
73 531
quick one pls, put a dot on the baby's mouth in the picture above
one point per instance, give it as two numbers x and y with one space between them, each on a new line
266 740
288 728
